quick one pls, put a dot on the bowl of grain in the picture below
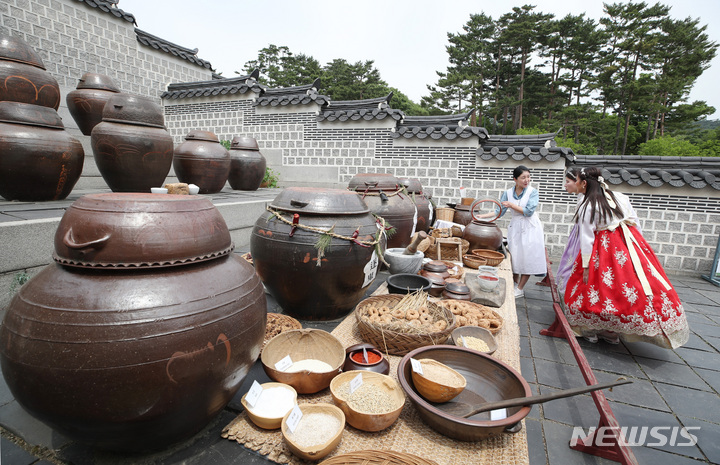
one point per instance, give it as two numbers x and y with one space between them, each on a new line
438 382
306 359
318 432
474 337
276 400
373 405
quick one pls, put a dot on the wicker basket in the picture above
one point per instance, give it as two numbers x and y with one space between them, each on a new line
492 257
444 213
440 233
377 457
278 323
449 251
473 261
392 341
485 317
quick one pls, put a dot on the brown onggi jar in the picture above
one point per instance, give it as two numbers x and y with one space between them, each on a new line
134 355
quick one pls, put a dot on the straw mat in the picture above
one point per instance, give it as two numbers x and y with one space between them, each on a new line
409 434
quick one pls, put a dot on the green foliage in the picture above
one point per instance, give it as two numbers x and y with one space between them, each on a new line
670 147
226 144
271 178
19 279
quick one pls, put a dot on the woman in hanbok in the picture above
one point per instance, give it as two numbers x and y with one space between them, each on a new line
617 287
572 248
525 236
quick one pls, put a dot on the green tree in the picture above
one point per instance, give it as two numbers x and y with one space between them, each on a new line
669 146
352 81
279 67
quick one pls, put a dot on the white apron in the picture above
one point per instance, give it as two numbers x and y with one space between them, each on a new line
526 240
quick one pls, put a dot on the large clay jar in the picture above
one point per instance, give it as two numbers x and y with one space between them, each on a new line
203 161
247 164
421 201
23 77
87 101
39 160
132 148
483 234
308 282
462 215
383 194
134 357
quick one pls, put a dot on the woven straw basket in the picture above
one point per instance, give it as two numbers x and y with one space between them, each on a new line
473 261
444 213
492 321
395 342
377 457
492 257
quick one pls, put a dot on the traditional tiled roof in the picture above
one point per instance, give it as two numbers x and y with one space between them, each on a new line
655 171
533 147
353 110
109 7
236 85
439 127
171 48
298 95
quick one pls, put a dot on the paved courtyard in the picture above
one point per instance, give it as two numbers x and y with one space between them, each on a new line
669 389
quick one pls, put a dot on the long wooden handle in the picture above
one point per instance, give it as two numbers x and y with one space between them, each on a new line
412 248
522 401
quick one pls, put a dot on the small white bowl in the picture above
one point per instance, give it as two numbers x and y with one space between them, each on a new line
487 281
193 189
158 190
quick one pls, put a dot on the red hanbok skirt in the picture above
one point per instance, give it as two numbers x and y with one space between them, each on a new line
613 299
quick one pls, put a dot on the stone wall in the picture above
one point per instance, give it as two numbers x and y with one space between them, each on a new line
682 224
73 38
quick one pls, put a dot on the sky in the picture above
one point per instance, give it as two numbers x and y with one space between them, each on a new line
406 39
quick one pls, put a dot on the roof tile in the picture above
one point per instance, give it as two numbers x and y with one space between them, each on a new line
157 43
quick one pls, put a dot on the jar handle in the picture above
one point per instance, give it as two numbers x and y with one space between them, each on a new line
472 209
71 244
298 203
371 184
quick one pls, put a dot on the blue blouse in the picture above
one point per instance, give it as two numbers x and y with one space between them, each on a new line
529 208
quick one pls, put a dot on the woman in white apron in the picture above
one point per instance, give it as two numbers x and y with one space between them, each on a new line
526 240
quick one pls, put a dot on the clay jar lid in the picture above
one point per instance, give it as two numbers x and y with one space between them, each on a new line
319 201
33 115
435 266
244 143
97 81
412 185
457 287
199 134
15 49
134 230
133 109
373 182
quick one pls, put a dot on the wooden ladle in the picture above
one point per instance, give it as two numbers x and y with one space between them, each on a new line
463 410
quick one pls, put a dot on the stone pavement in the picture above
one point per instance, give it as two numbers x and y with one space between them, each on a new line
670 388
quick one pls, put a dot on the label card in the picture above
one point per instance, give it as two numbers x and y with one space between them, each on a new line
371 269
253 394
284 364
356 382
294 418
498 414
416 366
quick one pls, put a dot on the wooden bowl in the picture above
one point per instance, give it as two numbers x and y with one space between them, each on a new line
436 391
476 332
262 421
317 451
488 380
379 382
302 344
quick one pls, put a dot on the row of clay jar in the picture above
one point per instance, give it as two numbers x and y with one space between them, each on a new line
40 161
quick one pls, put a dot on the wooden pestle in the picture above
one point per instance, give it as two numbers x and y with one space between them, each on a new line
412 248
